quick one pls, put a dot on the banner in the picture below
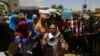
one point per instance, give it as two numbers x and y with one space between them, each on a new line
67 14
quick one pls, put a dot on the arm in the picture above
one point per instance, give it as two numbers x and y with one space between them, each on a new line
64 45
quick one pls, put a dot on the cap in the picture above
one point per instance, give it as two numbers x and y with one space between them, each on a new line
44 12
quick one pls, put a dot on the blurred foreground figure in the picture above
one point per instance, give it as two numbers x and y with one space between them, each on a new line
42 28
41 25
12 50
5 38
34 36
22 38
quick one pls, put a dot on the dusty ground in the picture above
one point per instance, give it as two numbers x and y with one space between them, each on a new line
69 54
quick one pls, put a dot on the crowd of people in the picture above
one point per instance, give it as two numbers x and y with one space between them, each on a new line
24 36
82 35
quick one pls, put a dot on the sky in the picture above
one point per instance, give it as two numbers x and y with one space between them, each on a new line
74 4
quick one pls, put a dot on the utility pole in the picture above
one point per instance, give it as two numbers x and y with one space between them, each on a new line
84 7
9 6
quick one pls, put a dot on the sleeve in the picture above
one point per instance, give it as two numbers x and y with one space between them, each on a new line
64 44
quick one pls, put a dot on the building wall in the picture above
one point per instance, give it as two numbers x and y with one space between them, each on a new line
97 9
13 5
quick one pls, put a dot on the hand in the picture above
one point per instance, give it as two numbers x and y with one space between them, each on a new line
64 46
30 33
44 42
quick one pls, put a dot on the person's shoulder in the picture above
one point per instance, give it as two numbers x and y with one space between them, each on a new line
37 26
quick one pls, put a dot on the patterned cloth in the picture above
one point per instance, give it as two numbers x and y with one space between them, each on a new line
13 22
56 50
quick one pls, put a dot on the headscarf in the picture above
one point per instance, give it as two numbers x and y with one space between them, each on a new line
35 33
34 17
29 21
13 21
22 29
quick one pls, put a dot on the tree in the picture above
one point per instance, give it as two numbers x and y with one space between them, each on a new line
54 6
60 6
